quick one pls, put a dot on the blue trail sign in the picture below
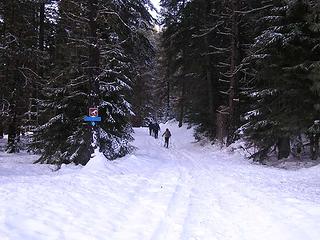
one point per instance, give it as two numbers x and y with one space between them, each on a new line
93 116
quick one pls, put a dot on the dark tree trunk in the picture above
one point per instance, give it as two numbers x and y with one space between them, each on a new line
93 51
11 18
93 65
182 102
41 26
13 135
234 117
210 100
212 106
222 126
14 121
168 86
283 147
1 129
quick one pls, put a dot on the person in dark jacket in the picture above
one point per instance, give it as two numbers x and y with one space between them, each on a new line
156 129
151 128
166 135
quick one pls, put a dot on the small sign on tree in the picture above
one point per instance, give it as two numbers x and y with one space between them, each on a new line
93 112
93 116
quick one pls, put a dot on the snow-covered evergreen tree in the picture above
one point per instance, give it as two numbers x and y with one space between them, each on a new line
283 55
20 59
95 67
204 43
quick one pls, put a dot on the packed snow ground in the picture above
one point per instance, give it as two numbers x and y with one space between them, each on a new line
185 192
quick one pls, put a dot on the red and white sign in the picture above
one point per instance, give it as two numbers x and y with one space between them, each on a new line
93 112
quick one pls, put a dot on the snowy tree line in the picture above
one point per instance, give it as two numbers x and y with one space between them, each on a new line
61 57
245 69
235 69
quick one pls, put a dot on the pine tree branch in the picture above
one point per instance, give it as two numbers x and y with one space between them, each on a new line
208 31
254 10
107 11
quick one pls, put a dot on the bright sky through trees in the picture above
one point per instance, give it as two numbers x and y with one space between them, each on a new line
156 3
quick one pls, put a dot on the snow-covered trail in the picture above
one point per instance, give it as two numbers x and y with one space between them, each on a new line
186 192
215 195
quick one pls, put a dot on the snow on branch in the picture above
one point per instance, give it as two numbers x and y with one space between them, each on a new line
53 120
224 64
207 31
107 11
224 92
75 18
224 81
254 10
219 48
225 33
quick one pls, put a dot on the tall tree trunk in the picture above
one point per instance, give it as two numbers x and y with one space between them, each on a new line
12 145
12 76
211 103
41 26
182 102
93 51
93 66
234 117
168 85
283 147
210 99
1 129
168 99
41 69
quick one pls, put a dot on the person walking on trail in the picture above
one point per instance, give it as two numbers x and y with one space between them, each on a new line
156 129
150 128
166 135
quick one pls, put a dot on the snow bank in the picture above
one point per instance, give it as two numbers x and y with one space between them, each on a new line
187 191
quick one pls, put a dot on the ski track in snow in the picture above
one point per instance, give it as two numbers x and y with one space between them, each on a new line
186 192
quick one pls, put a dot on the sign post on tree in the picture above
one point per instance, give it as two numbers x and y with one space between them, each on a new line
93 116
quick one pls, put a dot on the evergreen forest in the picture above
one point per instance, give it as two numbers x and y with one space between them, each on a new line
235 70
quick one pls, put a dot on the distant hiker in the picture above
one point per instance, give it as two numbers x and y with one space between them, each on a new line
150 128
314 136
156 129
166 135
